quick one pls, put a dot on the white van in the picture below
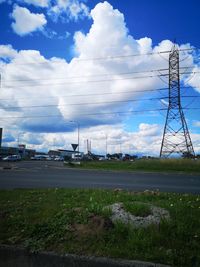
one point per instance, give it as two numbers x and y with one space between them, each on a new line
12 158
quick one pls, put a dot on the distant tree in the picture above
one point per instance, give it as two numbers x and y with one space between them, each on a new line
114 156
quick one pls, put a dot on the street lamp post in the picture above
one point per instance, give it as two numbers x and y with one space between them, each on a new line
78 132
20 133
21 150
106 137
106 144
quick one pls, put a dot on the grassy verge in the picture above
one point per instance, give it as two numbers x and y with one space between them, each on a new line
160 165
70 221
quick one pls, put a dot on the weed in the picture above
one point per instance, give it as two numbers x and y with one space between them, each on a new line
52 219
137 209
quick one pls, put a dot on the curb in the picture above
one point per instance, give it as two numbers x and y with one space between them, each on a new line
19 257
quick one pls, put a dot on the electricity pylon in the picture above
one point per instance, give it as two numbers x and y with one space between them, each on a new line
176 137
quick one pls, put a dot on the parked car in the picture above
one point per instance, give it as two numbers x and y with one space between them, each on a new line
77 157
12 158
50 158
58 158
39 157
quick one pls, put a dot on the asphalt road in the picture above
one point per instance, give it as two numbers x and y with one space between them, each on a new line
53 174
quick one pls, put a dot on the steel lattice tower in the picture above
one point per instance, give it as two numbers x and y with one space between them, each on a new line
176 137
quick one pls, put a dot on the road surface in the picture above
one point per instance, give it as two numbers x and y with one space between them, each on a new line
46 175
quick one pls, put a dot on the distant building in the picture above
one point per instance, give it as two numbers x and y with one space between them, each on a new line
40 153
29 153
63 153
54 153
22 151
6 151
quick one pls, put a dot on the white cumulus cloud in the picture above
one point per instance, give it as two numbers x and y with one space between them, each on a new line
194 79
97 81
7 52
68 10
39 3
26 22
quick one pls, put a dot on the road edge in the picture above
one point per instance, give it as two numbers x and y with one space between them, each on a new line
11 256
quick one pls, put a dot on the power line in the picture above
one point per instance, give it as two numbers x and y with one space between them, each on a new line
80 104
94 94
134 55
90 103
190 96
108 57
97 81
90 81
94 114
86 76
95 75
86 114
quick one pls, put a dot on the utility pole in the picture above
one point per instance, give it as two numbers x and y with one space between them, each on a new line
106 144
106 138
78 133
1 133
176 137
18 139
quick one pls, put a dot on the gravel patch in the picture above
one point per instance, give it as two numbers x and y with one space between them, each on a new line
119 214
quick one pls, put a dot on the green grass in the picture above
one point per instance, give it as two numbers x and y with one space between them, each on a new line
137 209
160 165
59 220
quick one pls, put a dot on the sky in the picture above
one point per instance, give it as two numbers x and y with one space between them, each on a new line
96 64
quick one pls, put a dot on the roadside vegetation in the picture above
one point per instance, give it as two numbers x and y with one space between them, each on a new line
159 165
77 221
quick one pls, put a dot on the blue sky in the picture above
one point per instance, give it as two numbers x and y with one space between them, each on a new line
54 61
158 20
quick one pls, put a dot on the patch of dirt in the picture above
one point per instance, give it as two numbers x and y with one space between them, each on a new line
145 192
117 190
96 224
77 209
